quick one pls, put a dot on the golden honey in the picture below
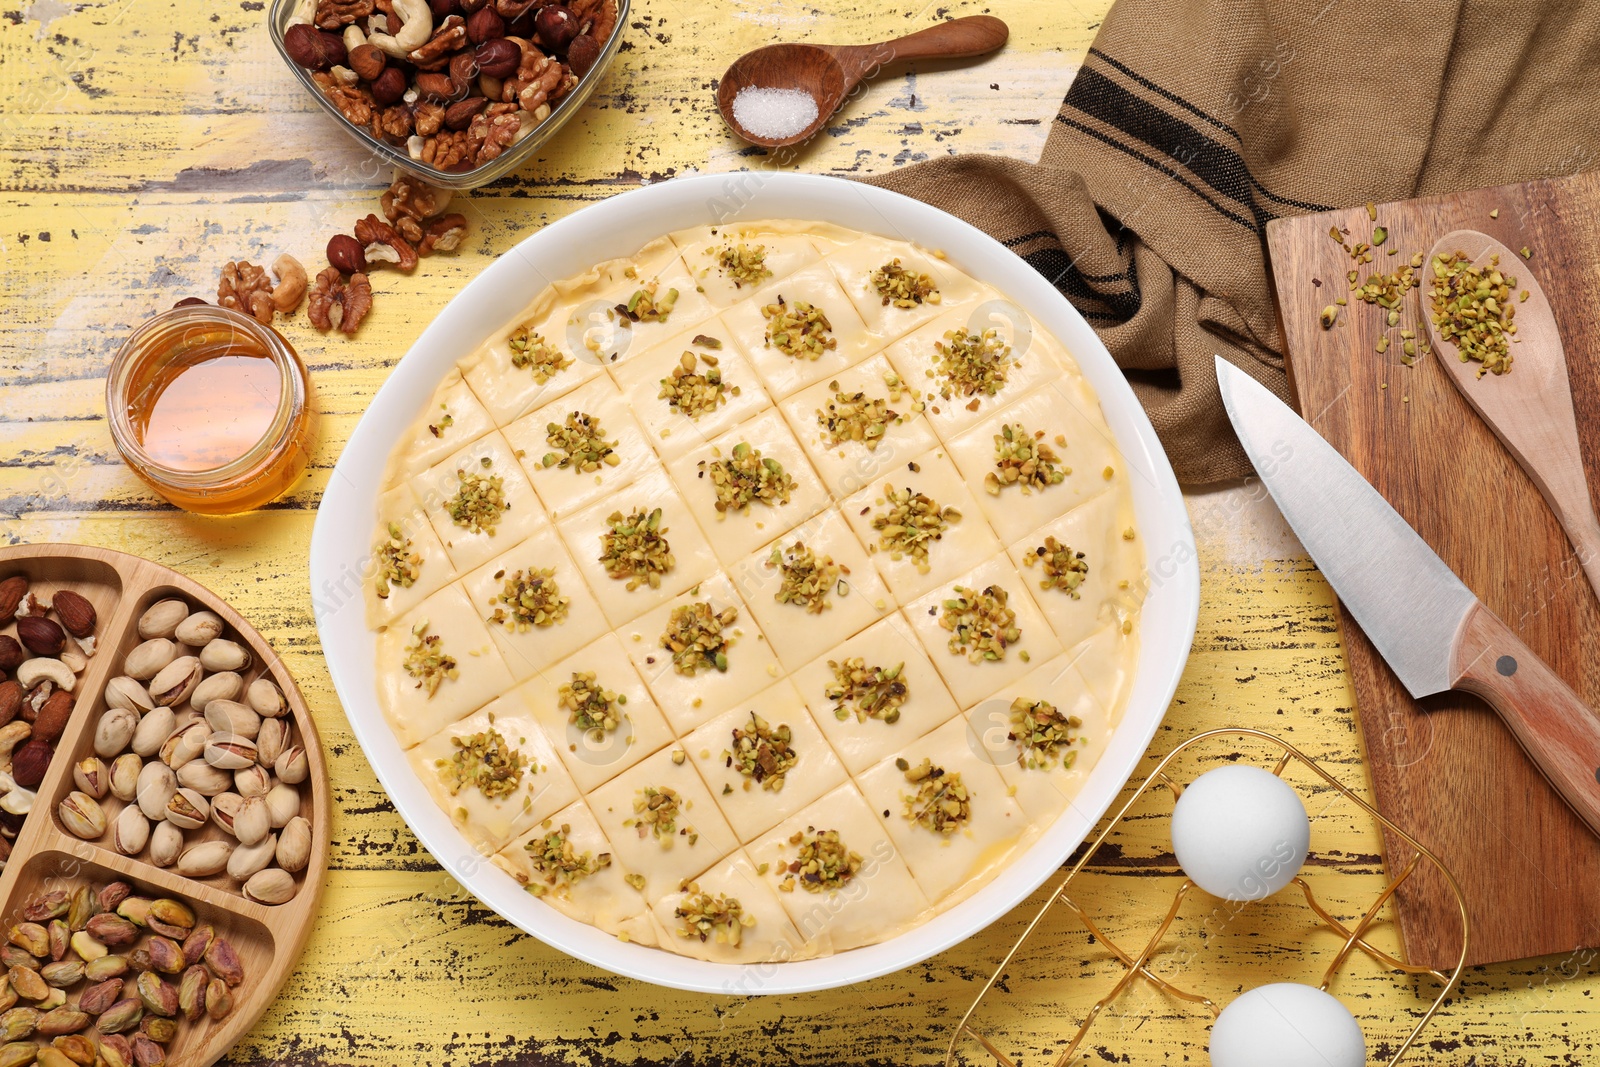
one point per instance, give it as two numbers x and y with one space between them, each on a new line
211 409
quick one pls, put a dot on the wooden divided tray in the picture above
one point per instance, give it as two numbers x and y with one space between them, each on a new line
46 857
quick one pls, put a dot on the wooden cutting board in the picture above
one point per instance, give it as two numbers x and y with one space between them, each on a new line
1445 768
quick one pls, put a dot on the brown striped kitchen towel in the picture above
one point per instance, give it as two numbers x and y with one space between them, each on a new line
1194 122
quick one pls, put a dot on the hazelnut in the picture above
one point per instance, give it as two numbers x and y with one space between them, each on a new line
498 58
190 301
389 87
12 654
345 254
30 762
443 9
463 71
367 61
582 54
312 48
555 26
459 115
436 87
485 24
469 7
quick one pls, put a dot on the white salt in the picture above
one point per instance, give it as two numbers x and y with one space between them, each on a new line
773 114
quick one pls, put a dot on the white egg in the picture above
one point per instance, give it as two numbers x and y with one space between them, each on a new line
1287 1025
1240 832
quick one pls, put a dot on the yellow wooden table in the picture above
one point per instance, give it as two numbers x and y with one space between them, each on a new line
147 141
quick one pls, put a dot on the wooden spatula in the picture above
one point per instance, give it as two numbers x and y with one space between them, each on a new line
1529 408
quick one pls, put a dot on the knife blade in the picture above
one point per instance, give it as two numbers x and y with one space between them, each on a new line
1428 626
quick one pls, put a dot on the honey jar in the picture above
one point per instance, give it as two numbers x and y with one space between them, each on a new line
211 409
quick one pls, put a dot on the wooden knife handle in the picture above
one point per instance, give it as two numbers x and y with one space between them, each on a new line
1553 725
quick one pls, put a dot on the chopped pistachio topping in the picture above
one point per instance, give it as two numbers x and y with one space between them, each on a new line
694 637
558 863
744 264
761 752
656 811
589 706
745 476
529 598
1064 569
903 288
649 304
479 502
486 761
580 444
972 364
398 563
799 330
1024 459
720 918
1472 307
941 803
822 862
427 661
807 579
859 417
691 391
529 349
981 625
867 692
701 340
446 421
911 523
1043 734
634 547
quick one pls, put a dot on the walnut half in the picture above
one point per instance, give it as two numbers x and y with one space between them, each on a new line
337 304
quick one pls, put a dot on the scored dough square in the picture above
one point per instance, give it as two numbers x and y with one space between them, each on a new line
971 682
1044 791
669 432
604 898
886 900
961 862
851 465
750 806
594 300
806 634
429 439
854 265
734 534
399 505
563 490
491 823
530 650
782 373
1064 412
863 742
482 676
693 560
589 759
1115 583
772 937
1107 662
916 357
508 391
689 700
963 541
701 248
441 483
699 840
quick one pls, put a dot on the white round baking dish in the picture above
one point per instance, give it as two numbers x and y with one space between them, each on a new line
619 227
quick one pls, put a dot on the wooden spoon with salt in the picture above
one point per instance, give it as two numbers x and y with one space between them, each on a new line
828 72
1530 407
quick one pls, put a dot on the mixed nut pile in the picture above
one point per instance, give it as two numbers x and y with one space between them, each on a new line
185 742
140 968
54 639
456 82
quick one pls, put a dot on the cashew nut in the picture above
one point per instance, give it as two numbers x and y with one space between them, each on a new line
304 12
17 802
344 76
291 287
13 734
46 669
417 31
353 37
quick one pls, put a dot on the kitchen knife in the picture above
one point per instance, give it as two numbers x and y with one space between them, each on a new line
1433 632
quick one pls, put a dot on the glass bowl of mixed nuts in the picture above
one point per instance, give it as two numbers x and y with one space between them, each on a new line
460 92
